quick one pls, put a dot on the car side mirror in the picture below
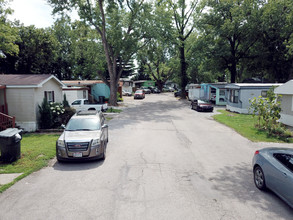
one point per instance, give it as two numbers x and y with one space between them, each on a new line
63 126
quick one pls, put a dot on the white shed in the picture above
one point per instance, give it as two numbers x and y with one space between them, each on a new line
286 90
194 91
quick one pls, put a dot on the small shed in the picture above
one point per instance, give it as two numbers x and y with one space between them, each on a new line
95 88
24 93
126 84
239 94
193 91
286 90
214 92
73 93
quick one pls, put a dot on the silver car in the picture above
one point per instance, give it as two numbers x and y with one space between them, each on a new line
273 169
85 137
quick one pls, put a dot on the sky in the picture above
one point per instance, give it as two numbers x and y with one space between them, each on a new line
32 12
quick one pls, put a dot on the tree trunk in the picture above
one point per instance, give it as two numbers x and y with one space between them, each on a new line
233 72
183 69
113 93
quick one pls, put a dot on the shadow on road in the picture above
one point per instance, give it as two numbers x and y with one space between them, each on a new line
237 182
77 165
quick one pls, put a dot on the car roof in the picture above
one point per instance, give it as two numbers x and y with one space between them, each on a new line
282 150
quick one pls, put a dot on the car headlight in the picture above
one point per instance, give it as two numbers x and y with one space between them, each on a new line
95 142
61 143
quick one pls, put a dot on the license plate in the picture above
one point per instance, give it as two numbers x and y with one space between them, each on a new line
77 154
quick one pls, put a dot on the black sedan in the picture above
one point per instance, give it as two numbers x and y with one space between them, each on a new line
201 106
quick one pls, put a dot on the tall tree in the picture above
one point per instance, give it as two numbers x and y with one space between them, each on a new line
273 59
37 50
183 15
232 28
8 39
121 25
159 55
64 60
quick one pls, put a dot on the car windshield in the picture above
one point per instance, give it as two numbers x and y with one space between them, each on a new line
83 124
139 91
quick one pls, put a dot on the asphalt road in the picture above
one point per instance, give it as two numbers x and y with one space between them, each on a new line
164 161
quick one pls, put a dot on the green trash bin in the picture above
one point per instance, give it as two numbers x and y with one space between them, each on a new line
10 144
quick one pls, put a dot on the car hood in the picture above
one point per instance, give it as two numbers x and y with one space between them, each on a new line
79 136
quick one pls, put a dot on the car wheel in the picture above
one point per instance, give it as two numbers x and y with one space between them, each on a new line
104 152
59 160
259 178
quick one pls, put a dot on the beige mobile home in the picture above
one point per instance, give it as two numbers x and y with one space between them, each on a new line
286 90
25 92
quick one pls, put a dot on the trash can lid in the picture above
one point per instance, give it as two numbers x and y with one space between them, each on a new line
10 132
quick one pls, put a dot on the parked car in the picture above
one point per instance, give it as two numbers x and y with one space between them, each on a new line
177 93
126 93
156 90
152 88
139 94
85 137
201 106
84 104
273 169
146 90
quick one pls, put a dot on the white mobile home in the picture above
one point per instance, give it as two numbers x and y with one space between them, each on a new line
193 92
239 94
25 92
127 85
286 90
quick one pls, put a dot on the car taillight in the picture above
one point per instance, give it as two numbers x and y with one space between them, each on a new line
256 152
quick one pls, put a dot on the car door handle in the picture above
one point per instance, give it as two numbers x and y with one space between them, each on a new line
285 174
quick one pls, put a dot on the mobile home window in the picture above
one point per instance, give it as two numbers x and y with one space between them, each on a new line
222 92
234 94
49 95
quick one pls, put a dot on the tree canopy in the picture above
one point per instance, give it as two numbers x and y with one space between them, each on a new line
184 41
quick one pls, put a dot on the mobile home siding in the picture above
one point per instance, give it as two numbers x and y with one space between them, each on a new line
246 93
21 105
100 89
72 95
287 110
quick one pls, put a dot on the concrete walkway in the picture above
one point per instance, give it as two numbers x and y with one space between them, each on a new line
8 178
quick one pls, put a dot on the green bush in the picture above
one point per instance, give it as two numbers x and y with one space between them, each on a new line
53 115
46 118
267 110
65 102
57 111
118 97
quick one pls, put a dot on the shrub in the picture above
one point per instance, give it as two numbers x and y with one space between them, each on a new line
65 102
46 118
268 111
53 115
57 110
118 97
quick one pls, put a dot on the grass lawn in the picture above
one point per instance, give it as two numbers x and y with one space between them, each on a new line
244 125
36 151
